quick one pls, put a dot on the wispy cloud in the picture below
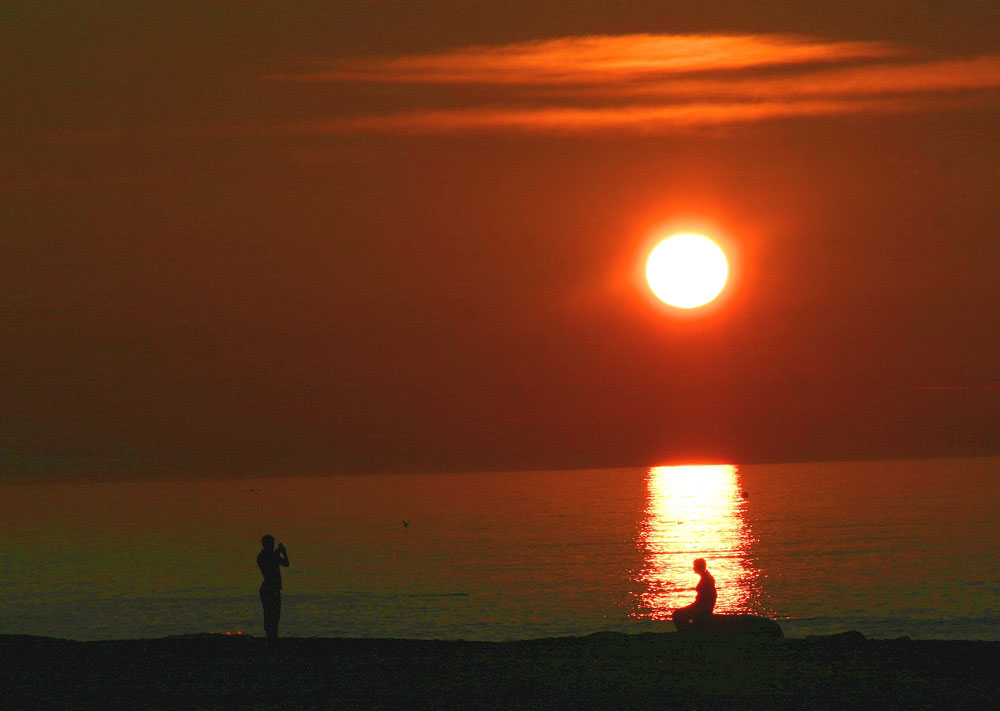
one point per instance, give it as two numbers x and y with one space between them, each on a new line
640 118
922 77
650 83
594 59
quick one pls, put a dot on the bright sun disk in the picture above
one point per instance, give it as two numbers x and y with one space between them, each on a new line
687 270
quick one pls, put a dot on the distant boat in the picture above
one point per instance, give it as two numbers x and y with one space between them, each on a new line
745 494
406 524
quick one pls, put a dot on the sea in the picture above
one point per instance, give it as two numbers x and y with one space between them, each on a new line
888 548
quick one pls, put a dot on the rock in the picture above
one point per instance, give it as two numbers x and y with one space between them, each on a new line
734 626
851 638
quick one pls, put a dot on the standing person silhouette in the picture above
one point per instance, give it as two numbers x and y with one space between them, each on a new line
270 561
704 602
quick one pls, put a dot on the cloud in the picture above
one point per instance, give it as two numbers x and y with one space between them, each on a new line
650 83
636 118
937 76
575 60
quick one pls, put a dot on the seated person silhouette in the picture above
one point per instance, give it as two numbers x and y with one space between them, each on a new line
700 610
270 561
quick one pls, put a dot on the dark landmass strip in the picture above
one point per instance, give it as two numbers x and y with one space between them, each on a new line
602 671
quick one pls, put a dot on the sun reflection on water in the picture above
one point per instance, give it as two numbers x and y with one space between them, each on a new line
695 512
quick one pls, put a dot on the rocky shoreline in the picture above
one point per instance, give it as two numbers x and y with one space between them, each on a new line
600 671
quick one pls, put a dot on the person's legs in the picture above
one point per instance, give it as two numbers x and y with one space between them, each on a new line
271 600
692 617
683 616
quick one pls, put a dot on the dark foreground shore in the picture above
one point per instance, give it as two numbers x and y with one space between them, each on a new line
603 671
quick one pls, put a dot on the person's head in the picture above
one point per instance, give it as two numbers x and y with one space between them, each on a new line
700 566
267 542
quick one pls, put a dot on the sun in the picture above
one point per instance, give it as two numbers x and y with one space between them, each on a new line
687 270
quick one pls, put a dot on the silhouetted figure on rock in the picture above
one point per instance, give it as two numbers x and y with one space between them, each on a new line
704 602
270 562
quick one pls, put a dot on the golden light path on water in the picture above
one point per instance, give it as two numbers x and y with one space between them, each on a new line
695 512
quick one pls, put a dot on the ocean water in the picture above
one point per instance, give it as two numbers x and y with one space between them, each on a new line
887 548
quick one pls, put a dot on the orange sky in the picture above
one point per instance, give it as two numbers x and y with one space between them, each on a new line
392 236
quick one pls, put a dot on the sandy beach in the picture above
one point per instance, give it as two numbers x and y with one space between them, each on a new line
601 671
